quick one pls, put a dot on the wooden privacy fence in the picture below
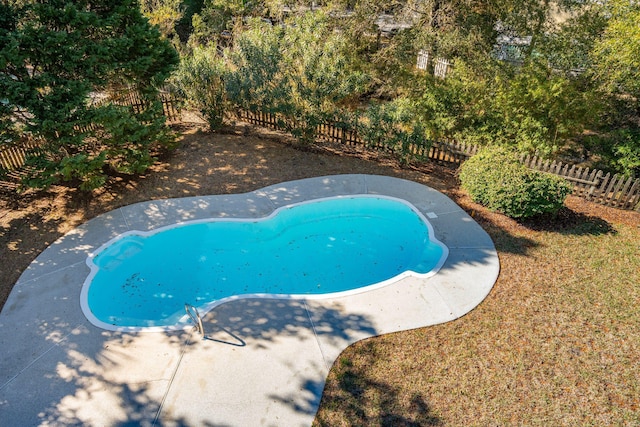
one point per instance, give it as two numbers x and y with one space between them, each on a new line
13 156
129 98
591 184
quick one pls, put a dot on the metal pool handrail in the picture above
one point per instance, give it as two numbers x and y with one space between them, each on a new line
195 317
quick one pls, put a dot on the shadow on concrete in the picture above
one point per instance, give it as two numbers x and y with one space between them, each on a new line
264 320
310 404
223 335
92 376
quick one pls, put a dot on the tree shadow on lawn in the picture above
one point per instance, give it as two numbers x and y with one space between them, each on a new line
507 239
361 399
570 222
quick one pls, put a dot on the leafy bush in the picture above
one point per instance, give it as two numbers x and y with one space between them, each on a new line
253 81
531 109
394 126
627 152
200 80
496 179
302 71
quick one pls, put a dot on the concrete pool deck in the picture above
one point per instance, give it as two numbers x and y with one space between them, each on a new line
266 360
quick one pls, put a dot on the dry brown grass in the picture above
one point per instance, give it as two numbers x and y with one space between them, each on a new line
555 343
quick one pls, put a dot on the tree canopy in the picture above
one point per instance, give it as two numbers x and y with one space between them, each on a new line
549 77
55 57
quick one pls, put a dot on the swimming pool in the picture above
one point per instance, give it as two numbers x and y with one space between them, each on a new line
316 249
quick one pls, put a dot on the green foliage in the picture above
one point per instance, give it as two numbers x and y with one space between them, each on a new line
164 14
300 71
617 151
537 109
451 29
578 71
394 126
53 56
184 26
253 81
217 16
627 152
538 105
616 54
496 179
569 48
531 109
199 80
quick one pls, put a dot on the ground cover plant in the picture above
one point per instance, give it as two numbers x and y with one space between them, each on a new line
557 342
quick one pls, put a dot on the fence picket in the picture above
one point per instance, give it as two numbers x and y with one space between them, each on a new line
537 163
606 196
612 196
581 175
622 196
573 175
607 183
596 177
633 196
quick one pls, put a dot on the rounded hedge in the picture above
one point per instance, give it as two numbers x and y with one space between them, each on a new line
497 179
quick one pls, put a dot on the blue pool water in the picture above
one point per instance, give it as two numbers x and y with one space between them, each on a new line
321 247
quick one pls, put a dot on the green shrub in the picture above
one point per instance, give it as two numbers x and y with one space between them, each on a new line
496 179
199 79
394 126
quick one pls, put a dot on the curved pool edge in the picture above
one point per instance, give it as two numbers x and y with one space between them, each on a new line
278 353
184 324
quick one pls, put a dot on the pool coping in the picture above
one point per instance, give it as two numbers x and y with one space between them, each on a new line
268 355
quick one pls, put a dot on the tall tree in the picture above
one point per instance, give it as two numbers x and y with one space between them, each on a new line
617 52
616 59
56 54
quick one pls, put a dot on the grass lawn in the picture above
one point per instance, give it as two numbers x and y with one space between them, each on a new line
557 342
